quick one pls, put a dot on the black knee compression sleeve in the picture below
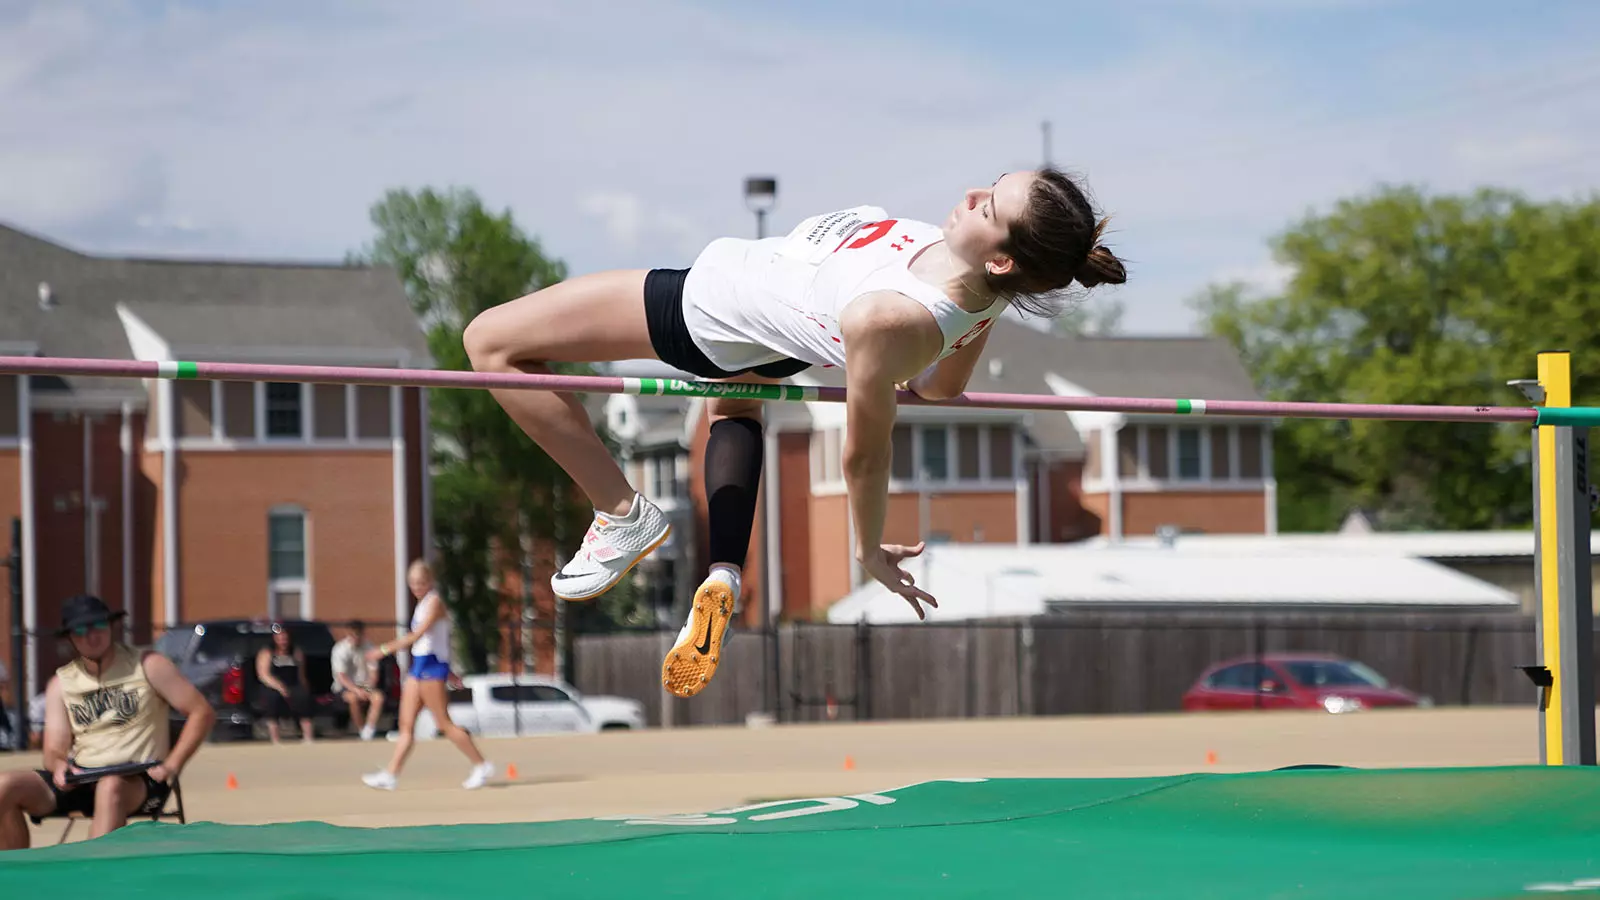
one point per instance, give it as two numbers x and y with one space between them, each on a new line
733 475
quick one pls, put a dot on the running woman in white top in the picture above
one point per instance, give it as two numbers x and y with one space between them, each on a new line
424 684
895 303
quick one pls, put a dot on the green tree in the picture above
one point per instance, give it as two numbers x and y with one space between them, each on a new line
1406 297
495 491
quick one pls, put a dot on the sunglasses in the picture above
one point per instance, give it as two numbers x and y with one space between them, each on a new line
82 630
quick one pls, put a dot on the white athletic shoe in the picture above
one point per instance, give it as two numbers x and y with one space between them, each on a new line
481 773
381 780
610 548
368 732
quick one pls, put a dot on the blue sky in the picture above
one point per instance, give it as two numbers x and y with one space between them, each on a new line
619 132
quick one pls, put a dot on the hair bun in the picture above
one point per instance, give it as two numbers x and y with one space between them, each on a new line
1101 267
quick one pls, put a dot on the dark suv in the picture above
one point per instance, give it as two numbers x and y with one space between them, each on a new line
218 657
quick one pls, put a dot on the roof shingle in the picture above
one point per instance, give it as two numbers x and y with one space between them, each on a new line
200 304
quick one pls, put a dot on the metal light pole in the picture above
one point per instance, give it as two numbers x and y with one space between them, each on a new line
760 196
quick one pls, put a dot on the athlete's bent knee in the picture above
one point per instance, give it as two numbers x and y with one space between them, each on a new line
484 342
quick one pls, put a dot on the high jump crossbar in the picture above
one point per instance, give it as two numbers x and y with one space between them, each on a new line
406 377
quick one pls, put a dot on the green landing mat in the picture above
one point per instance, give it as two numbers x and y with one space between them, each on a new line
1417 834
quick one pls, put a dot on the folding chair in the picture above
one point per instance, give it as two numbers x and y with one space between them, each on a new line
172 809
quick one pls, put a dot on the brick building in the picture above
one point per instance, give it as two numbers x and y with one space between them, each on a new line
982 475
182 501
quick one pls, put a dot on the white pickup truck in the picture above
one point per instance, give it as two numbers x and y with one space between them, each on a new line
495 705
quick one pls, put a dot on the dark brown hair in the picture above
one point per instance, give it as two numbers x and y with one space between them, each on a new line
1055 242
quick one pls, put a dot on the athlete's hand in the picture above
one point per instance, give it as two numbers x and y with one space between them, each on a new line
61 775
883 564
161 774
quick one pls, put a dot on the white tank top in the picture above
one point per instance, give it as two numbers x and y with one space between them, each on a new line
435 641
749 302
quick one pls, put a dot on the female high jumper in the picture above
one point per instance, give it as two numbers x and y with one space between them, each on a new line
894 302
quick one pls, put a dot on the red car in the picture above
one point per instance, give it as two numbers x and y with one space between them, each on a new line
1295 681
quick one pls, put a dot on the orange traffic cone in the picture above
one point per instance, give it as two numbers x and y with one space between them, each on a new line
1211 757
511 771
233 783
849 763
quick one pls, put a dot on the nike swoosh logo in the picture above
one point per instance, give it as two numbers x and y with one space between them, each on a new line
704 648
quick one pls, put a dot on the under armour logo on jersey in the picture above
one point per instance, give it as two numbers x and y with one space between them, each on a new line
972 332
897 246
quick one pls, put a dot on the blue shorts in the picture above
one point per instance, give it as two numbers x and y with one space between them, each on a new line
429 668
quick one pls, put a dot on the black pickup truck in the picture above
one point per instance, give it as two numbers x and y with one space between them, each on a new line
218 657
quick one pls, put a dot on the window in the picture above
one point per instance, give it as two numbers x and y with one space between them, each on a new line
1212 453
9 402
1329 673
283 410
238 410
174 645
194 399
372 412
330 422
1250 451
1219 454
545 693
664 469
935 453
1156 449
967 457
831 470
1128 452
1241 677
903 468
957 453
528 693
1001 463
287 588
1188 454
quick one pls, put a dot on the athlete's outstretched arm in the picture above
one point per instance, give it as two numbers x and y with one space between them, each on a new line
948 377
888 339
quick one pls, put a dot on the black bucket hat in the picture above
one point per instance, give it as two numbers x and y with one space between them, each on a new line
83 610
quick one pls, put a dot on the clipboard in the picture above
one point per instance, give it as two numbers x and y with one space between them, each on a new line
133 768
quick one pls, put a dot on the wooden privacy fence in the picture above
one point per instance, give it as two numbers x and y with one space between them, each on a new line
1083 662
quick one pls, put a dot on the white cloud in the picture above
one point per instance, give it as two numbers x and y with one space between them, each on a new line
628 219
48 187
1514 150
1268 277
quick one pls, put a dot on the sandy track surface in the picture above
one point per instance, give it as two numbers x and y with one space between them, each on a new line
701 769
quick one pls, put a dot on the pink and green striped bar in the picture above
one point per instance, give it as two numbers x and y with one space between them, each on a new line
1582 417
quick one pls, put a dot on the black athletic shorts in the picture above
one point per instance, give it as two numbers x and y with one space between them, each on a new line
669 334
79 798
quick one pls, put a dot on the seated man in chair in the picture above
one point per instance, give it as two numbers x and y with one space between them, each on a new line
108 707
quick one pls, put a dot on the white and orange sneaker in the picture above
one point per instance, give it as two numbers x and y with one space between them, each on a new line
611 547
692 661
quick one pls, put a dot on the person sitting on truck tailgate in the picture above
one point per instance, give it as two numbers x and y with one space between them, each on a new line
356 678
285 690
